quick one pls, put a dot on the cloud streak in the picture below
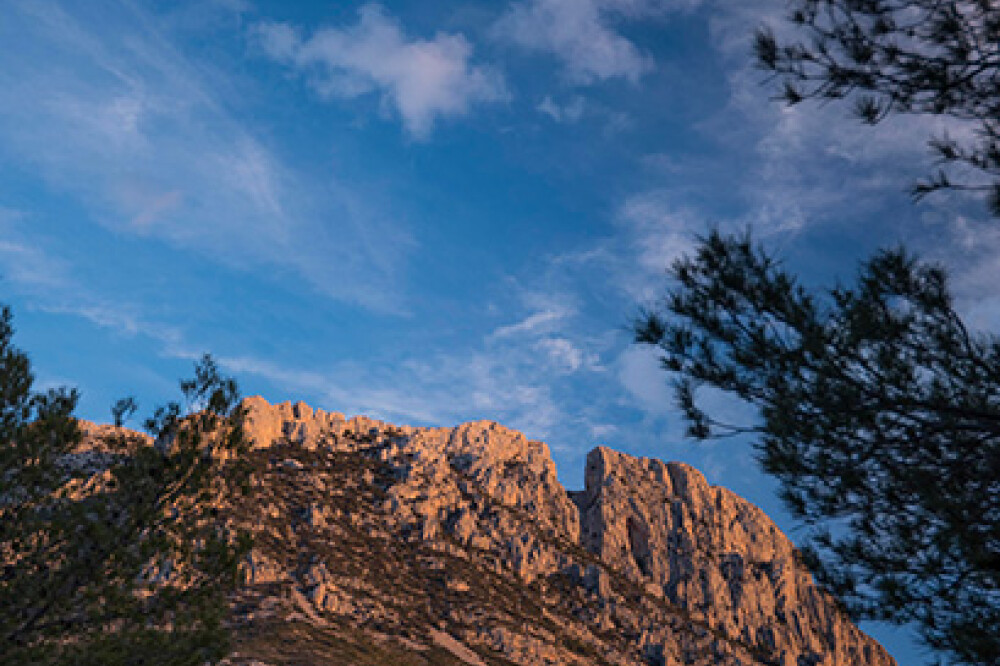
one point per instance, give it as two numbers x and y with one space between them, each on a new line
152 143
52 286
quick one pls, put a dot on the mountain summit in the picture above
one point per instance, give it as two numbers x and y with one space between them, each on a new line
377 544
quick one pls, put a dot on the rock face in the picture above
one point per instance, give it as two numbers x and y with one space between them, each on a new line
707 550
377 544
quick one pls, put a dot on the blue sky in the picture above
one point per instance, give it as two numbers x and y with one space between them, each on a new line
425 212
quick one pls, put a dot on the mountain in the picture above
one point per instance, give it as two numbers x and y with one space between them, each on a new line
377 544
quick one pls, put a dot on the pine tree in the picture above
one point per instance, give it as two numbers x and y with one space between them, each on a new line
878 412
928 57
114 553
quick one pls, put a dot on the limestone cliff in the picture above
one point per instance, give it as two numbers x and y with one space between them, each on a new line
708 550
378 544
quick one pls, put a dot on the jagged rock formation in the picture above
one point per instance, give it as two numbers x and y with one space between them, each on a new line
384 545
710 551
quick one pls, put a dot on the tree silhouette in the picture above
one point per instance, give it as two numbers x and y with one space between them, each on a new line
123 409
903 56
111 553
878 412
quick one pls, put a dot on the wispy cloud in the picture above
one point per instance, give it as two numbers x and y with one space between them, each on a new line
659 229
24 264
570 112
812 164
421 80
816 167
535 323
52 285
525 372
429 389
580 34
566 355
643 378
584 34
150 142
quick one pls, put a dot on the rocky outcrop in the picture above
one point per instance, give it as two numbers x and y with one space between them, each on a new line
440 475
378 544
708 550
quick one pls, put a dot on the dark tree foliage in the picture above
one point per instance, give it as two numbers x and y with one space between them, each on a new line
114 555
878 412
939 57
123 409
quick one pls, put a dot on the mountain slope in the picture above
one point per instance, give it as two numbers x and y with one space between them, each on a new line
376 544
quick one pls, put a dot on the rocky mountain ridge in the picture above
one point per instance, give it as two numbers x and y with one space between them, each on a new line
377 544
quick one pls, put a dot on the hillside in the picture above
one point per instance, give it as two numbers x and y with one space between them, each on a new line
378 544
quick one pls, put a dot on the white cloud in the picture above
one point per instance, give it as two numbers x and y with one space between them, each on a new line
654 230
535 323
600 431
570 112
812 163
584 34
661 231
580 34
24 264
642 377
566 355
421 80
